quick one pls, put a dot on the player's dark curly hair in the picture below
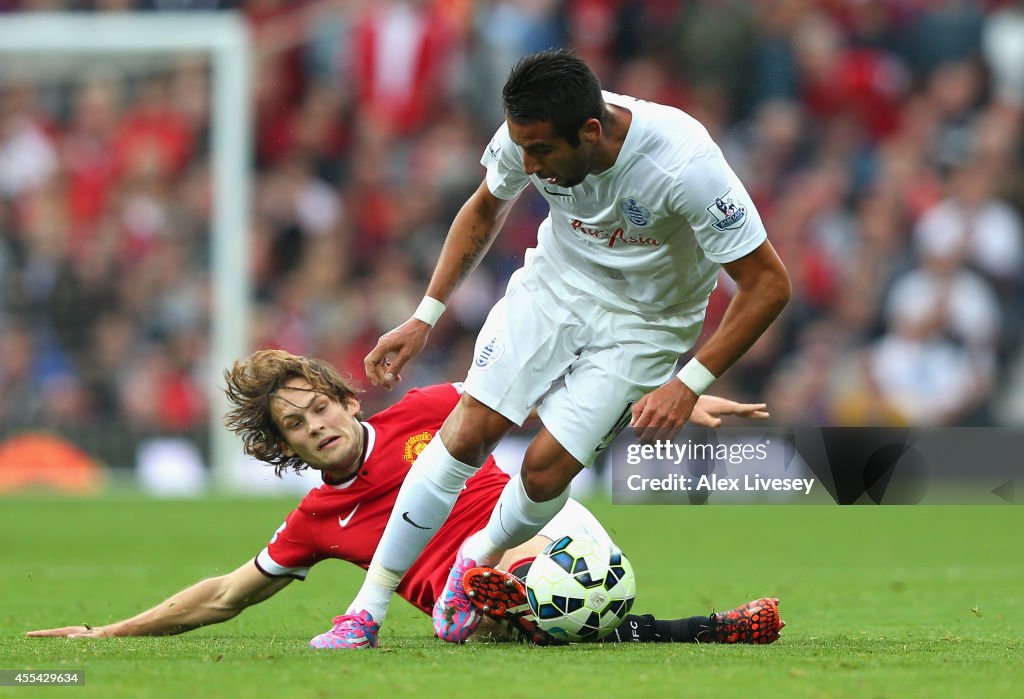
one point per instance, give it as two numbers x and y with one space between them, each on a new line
251 385
556 86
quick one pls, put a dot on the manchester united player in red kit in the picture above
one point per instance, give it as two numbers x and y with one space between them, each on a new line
296 412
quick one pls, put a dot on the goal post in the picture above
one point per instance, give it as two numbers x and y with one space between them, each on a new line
224 38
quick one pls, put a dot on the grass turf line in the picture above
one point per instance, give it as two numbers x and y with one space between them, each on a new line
880 602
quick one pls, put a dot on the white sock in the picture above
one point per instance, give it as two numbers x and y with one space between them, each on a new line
424 503
375 593
515 520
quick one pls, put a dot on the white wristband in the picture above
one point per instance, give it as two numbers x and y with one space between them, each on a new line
429 310
696 376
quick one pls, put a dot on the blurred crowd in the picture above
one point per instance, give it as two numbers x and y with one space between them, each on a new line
880 139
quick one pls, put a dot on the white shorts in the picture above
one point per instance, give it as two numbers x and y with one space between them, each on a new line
582 365
575 520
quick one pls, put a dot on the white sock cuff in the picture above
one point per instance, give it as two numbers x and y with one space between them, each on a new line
537 510
374 595
382 577
438 466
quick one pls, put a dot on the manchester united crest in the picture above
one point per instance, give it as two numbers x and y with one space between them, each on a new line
415 444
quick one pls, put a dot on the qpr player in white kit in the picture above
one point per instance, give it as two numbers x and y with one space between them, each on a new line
644 211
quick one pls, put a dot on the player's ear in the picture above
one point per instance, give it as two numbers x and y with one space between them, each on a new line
351 404
286 449
590 132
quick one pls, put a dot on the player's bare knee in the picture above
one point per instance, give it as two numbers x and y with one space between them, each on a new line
542 485
548 468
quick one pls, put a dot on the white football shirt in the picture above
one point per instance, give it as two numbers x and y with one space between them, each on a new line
648 234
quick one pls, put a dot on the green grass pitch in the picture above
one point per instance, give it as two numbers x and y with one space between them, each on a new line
879 601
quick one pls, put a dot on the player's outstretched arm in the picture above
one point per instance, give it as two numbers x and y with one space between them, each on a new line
469 238
207 602
709 410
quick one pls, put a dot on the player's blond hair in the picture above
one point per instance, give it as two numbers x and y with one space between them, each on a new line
251 385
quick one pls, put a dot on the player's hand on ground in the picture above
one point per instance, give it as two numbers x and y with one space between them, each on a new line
662 413
709 410
394 348
85 631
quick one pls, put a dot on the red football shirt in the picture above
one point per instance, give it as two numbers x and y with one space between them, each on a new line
346 521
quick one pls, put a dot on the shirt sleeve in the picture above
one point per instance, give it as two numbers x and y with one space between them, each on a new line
718 208
504 163
431 403
291 552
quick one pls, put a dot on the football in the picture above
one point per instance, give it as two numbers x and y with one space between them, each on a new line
580 588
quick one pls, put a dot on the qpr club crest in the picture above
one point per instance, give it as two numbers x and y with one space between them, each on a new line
635 211
728 214
489 355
